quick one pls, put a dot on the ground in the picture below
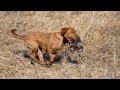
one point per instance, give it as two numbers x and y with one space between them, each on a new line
99 31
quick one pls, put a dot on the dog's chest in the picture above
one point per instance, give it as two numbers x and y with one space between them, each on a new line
56 42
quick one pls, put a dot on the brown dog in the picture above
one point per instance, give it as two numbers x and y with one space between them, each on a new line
51 43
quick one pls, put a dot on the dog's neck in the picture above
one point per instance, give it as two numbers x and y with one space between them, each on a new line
65 40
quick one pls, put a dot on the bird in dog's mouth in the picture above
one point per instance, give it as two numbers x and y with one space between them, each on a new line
76 45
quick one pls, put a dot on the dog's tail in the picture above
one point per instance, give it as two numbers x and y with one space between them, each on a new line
16 35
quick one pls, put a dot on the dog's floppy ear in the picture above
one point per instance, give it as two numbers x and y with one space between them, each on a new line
64 30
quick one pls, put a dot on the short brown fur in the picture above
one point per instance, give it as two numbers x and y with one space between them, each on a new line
51 43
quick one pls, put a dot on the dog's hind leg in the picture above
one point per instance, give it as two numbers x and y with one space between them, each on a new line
33 55
34 46
40 55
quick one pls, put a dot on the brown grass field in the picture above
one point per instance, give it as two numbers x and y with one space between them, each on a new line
99 31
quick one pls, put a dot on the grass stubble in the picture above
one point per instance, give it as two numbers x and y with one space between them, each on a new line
99 31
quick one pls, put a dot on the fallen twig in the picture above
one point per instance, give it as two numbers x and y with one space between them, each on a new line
4 58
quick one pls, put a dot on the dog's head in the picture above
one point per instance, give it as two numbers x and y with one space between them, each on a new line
73 38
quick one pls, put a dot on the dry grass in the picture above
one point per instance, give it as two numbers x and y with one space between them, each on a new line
100 32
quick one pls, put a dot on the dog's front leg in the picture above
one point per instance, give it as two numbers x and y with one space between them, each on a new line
52 56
